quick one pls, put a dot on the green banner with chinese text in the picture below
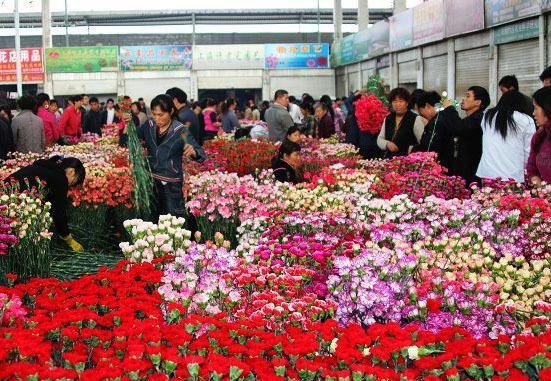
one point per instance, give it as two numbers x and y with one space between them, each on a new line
81 59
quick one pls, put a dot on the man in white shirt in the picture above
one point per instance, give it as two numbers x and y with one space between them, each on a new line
294 110
109 112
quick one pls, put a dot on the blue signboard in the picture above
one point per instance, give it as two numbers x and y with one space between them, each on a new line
296 56
155 57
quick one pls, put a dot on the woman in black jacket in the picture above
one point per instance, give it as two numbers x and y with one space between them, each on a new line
58 174
287 162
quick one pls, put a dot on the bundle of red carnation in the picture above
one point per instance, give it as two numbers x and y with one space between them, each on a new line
370 113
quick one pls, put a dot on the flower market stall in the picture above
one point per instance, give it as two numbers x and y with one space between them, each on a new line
368 270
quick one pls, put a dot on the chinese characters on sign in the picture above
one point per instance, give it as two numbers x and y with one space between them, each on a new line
207 57
501 11
155 57
32 69
428 22
82 59
296 56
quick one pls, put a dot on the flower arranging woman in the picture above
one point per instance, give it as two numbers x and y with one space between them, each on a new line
58 174
167 141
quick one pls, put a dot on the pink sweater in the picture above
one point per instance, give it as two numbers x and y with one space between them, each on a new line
51 129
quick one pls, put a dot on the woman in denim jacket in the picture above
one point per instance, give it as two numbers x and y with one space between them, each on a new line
167 142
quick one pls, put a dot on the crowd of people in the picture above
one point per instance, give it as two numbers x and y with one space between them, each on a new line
510 141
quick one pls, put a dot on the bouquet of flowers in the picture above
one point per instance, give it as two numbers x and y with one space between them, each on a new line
370 113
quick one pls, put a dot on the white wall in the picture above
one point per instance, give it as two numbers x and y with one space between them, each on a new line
315 82
84 83
149 84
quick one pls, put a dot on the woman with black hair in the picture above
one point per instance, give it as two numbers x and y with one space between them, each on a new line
167 141
230 122
287 162
308 120
210 119
59 174
325 127
402 129
293 134
506 135
538 167
437 136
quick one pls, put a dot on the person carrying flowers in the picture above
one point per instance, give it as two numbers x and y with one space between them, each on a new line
167 141
58 174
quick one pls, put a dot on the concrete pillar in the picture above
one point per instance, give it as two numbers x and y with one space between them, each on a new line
47 43
420 69
543 44
451 69
399 6
493 62
194 88
337 20
266 90
393 70
363 15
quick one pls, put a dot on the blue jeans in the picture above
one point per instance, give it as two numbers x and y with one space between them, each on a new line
170 199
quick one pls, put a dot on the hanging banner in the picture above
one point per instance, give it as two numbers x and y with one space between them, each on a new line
32 69
336 54
401 30
348 49
155 57
82 59
249 56
378 39
464 16
502 11
428 22
523 30
296 56
361 45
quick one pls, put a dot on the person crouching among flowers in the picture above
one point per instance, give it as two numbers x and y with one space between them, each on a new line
167 141
287 162
58 174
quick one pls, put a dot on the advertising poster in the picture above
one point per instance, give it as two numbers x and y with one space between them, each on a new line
32 68
523 30
228 56
401 30
296 56
502 11
463 16
82 59
155 57
428 22
379 35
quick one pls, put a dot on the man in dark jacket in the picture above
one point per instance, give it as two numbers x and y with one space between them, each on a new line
186 116
468 131
6 133
93 120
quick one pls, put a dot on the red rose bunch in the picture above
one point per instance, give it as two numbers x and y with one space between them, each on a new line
370 113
